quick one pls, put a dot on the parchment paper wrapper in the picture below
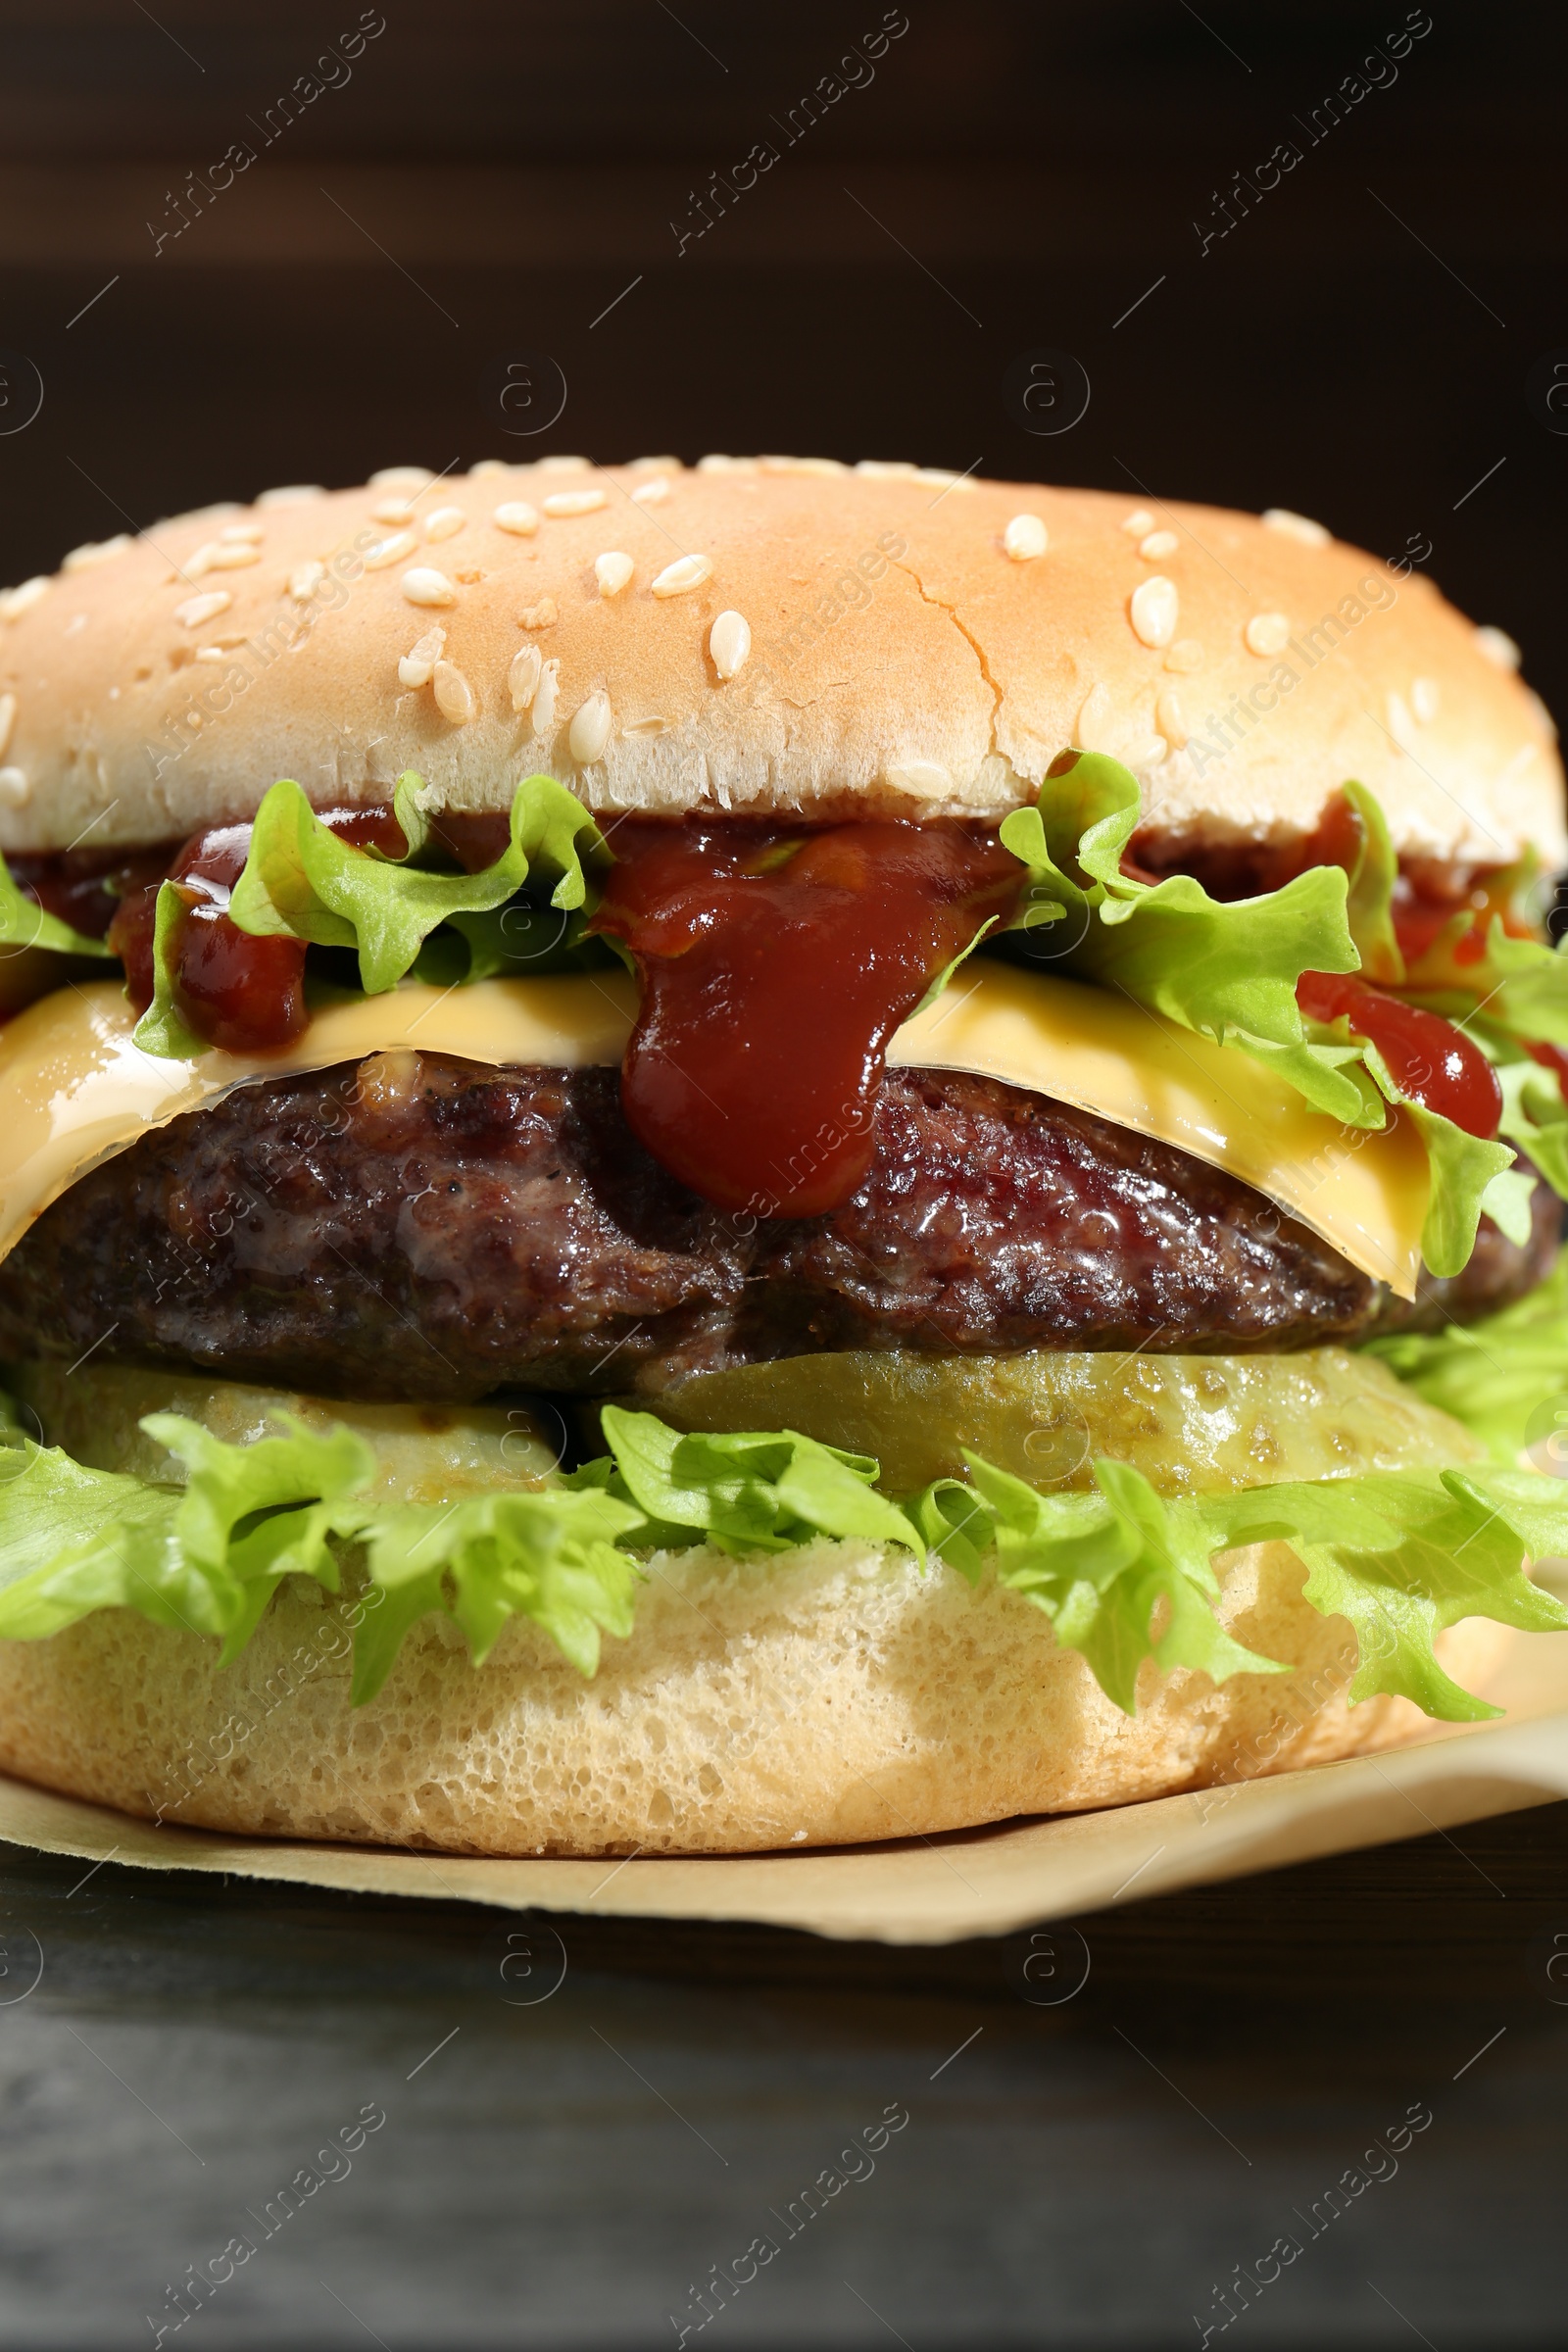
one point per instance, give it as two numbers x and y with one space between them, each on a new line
938 1889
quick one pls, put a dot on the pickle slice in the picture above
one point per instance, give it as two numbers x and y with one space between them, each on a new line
1192 1424
424 1452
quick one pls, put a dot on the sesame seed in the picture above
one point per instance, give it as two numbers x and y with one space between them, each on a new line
454 696
486 468
1097 727
100 551
1158 545
305 579
1169 718
613 571
564 465
888 469
729 641
390 550
651 494
922 779
445 524
422 586
1152 608
666 465
1424 699
522 678
15 790
1147 754
1495 643
561 504
1138 522
1402 727
291 494
8 720
824 466
246 534
17 601
219 511
1268 633
211 652
589 731
418 665
219 554
1024 538
1185 657
544 700
402 478
681 576
717 463
1296 526
542 615
392 509
206 606
516 517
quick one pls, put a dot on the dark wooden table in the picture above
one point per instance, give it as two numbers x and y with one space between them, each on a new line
570 2158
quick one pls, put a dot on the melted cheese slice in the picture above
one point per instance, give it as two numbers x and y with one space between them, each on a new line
75 1089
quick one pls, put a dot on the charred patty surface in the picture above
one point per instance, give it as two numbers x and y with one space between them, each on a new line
415 1227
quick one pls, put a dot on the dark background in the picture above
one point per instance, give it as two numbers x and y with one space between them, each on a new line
1017 177
495 173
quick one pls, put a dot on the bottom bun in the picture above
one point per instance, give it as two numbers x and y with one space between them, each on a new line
828 1696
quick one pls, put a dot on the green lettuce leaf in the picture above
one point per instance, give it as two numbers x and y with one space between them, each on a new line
1468 1177
1399 1555
1097 1565
550 1556
1226 969
1534 1118
1520 984
1506 1377
747 1491
73 1540
25 925
260 1512
1230 969
160 1030
1369 903
1405 1554
519 941
302 881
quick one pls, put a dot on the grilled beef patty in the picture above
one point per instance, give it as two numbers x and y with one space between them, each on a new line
416 1227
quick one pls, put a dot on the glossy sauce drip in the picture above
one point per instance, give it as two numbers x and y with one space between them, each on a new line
1428 1058
241 994
776 962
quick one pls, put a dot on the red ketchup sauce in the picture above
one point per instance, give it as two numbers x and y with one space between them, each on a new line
1429 1059
776 962
241 994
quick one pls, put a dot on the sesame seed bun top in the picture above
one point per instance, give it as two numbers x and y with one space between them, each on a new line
772 635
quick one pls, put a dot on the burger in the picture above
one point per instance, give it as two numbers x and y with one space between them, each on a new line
710 1160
